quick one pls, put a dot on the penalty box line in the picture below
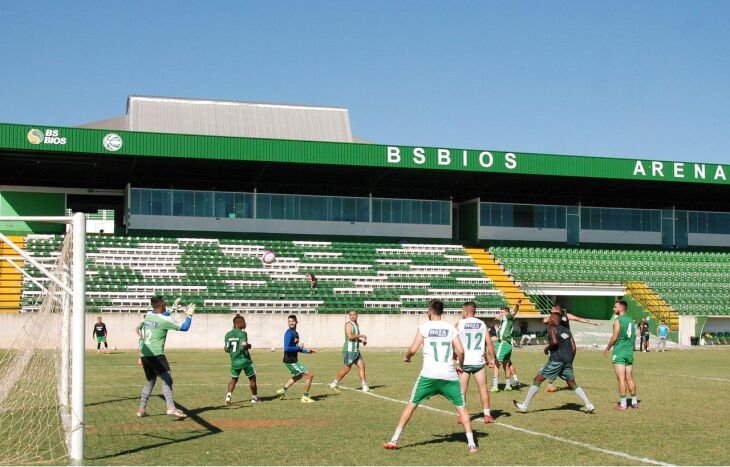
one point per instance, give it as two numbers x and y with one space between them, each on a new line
523 430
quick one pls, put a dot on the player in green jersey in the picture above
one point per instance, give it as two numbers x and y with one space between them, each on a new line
154 330
503 349
236 344
351 352
622 341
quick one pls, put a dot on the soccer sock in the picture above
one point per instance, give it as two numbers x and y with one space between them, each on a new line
334 382
534 388
582 394
305 394
396 435
514 377
283 388
166 378
495 381
470 439
622 400
633 399
146 392
365 385
506 382
487 413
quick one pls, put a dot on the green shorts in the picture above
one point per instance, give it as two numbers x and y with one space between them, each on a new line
623 358
554 370
100 339
427 387
248 369
471 369
295 368
351 358
504 351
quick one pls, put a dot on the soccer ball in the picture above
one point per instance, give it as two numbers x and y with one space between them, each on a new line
268 257
114 347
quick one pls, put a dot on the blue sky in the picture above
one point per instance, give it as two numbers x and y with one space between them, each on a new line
633 79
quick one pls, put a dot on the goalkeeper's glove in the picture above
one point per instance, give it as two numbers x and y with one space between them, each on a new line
176 305
190 310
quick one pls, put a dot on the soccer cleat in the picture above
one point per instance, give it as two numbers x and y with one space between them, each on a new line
619 407
307 399
520 406
335 388
494 389
176 413
590 409
635 406
280 393
142 413
229 399
517 386
473 449
366 389
255 400
391 445
488 419
551 388
508 388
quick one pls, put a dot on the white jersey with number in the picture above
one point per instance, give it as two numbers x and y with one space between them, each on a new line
473 333
438 356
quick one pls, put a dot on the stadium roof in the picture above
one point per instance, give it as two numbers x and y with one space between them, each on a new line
231 118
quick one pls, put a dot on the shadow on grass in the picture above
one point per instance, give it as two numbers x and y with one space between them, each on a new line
496 414
112 401
567 406
457 437
193 415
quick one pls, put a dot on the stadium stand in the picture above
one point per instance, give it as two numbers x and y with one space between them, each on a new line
666 283
10 277
222 276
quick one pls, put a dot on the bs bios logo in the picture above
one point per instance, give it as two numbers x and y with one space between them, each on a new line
112 142
50 136
35 136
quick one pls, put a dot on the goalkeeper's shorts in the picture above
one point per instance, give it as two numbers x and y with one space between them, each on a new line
155 366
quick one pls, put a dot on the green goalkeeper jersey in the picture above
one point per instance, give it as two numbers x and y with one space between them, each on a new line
154 333
352 345
236 341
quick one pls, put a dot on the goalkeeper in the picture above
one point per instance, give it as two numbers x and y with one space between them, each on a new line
154 333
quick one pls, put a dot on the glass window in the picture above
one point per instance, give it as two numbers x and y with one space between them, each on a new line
363 210
134 201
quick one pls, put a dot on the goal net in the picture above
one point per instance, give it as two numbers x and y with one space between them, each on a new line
35 383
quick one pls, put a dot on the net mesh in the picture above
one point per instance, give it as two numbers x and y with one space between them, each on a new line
34 401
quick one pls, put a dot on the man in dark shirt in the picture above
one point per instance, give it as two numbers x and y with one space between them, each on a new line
100 333
561 352
292 347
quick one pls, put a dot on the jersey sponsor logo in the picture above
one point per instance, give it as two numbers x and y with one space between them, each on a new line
565 335
473 326
438 333
152 324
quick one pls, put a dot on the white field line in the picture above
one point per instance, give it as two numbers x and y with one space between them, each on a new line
529 432
642 372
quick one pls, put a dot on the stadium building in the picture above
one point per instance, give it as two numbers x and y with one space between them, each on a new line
183 196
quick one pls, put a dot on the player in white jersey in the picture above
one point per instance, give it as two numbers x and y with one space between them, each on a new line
474 336
443 358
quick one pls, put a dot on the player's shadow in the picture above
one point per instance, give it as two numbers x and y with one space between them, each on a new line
567 406
112 401
193 415
496 414
319 397
450 438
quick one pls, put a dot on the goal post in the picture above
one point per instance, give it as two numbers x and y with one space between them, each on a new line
66 286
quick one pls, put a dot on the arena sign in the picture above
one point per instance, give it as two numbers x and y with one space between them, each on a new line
14 137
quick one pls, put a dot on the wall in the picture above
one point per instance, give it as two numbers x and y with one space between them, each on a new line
222 224
18 203
695 239
598 308
523 234
469 221
618 236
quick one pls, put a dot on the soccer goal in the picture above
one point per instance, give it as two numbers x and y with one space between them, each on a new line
42 350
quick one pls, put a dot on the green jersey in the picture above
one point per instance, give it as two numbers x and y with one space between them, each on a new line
626 336
352 345
154 333
236 341
504 332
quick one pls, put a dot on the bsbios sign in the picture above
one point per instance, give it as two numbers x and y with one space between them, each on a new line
451 159
50 136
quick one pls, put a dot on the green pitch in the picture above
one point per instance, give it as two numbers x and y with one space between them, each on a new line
683 417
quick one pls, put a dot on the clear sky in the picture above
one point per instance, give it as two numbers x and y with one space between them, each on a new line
648 79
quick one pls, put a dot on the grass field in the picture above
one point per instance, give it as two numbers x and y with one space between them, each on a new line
683 417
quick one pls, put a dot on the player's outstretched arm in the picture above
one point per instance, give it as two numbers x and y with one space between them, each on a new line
614 337
516 309
417 342
572 317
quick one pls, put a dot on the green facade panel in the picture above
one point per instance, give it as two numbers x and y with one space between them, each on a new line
16 203
126 143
